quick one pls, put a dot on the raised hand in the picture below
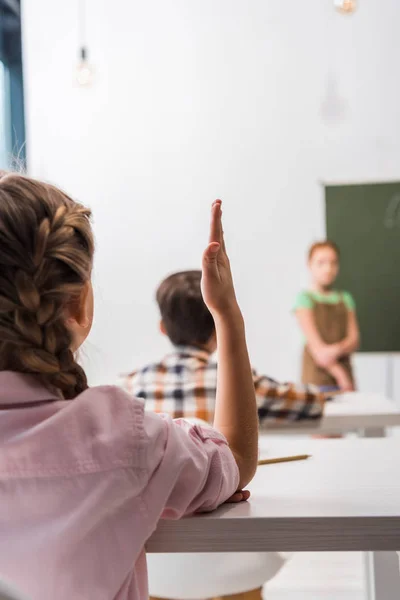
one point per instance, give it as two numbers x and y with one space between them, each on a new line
217 284
235 406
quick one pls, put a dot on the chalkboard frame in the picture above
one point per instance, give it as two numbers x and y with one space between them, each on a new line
369 185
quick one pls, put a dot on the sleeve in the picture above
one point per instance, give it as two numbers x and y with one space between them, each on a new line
190 468
287 401
349 301
303 300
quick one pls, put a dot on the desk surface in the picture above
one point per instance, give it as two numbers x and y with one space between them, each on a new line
348 412
346 497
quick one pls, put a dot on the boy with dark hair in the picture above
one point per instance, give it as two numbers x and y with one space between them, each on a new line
184 383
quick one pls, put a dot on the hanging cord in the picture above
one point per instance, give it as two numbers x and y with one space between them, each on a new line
82 29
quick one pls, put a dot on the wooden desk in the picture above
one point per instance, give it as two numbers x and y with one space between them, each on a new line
368 414
345 498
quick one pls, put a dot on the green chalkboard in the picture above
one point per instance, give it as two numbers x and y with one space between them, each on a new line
364 220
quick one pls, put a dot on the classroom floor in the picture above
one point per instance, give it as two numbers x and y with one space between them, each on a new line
312 576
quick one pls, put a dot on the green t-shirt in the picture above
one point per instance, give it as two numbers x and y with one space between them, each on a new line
305 299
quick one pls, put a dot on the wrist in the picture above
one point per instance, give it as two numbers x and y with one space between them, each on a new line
230 318
230 313
318 351
338 347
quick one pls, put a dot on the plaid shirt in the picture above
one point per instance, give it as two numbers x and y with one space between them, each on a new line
184 385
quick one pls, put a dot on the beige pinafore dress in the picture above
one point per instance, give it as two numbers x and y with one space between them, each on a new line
331 321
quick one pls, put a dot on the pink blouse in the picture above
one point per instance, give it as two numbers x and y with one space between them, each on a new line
83 484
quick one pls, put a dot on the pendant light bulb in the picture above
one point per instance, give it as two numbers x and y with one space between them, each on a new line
84 72
346 7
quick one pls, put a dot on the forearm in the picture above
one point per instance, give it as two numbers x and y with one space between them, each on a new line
235 411
334 369
342 377
314 344
315 350
314 341
348 345
321 352
306 320
326 355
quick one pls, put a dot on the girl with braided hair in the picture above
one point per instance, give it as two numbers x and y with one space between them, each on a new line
85 474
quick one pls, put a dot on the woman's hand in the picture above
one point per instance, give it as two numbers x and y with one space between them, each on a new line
327 355
342 377
217 283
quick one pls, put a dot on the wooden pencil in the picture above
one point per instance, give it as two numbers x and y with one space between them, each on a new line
272 461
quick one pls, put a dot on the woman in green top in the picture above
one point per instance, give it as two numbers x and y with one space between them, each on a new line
328 320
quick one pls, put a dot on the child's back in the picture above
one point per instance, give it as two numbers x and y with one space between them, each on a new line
85 475
84 482
183 384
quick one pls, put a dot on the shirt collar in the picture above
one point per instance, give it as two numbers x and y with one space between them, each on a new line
21 388
192 351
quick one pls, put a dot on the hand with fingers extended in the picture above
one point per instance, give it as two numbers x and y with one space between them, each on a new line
217 284
235 406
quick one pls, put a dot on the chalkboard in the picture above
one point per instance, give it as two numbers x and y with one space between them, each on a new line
364 220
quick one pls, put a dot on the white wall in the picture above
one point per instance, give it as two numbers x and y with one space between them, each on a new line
252 101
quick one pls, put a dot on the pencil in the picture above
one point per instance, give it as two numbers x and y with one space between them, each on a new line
271 461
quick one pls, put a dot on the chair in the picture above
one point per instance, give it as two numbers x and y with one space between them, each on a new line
8 592
207 575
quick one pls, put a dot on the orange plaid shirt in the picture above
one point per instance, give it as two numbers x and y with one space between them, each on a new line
184 385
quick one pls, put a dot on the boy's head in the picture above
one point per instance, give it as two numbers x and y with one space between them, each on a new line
185 318
323 260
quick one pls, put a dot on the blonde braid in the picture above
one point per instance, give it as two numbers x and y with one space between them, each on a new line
46 253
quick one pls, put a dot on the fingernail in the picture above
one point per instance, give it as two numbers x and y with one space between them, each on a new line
214 248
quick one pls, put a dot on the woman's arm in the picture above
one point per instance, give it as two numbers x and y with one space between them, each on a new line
352 339
324 354
341 376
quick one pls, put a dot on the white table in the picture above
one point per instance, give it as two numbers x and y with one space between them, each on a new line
368 414
345 498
